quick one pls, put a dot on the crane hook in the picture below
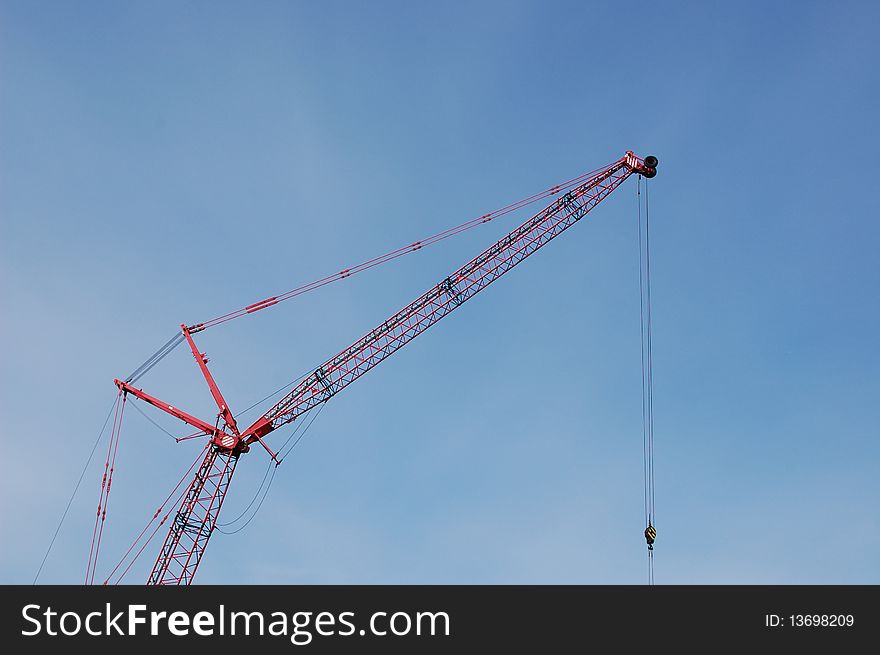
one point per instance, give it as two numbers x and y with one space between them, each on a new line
650 536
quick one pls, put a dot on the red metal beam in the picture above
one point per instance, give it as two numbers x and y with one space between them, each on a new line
202 361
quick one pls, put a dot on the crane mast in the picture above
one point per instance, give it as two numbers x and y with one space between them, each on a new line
196 517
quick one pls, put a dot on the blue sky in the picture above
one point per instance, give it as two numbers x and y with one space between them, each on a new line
164 162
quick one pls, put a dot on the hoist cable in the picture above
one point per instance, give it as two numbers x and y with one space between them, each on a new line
308 425
642 347
146 416
178 338
103 486
106 483
156 357
253 500
647 356
259 505
401 251
653 516
76 488
276 392
265 493
109 486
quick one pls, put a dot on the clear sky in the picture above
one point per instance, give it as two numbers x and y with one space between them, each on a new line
164 162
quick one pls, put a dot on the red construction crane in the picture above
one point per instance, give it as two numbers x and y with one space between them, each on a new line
197 513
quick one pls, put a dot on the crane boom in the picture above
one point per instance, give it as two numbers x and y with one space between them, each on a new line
197 514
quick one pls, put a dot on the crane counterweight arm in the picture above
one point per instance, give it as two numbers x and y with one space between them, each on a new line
338 372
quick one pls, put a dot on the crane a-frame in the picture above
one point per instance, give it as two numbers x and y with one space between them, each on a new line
196 516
